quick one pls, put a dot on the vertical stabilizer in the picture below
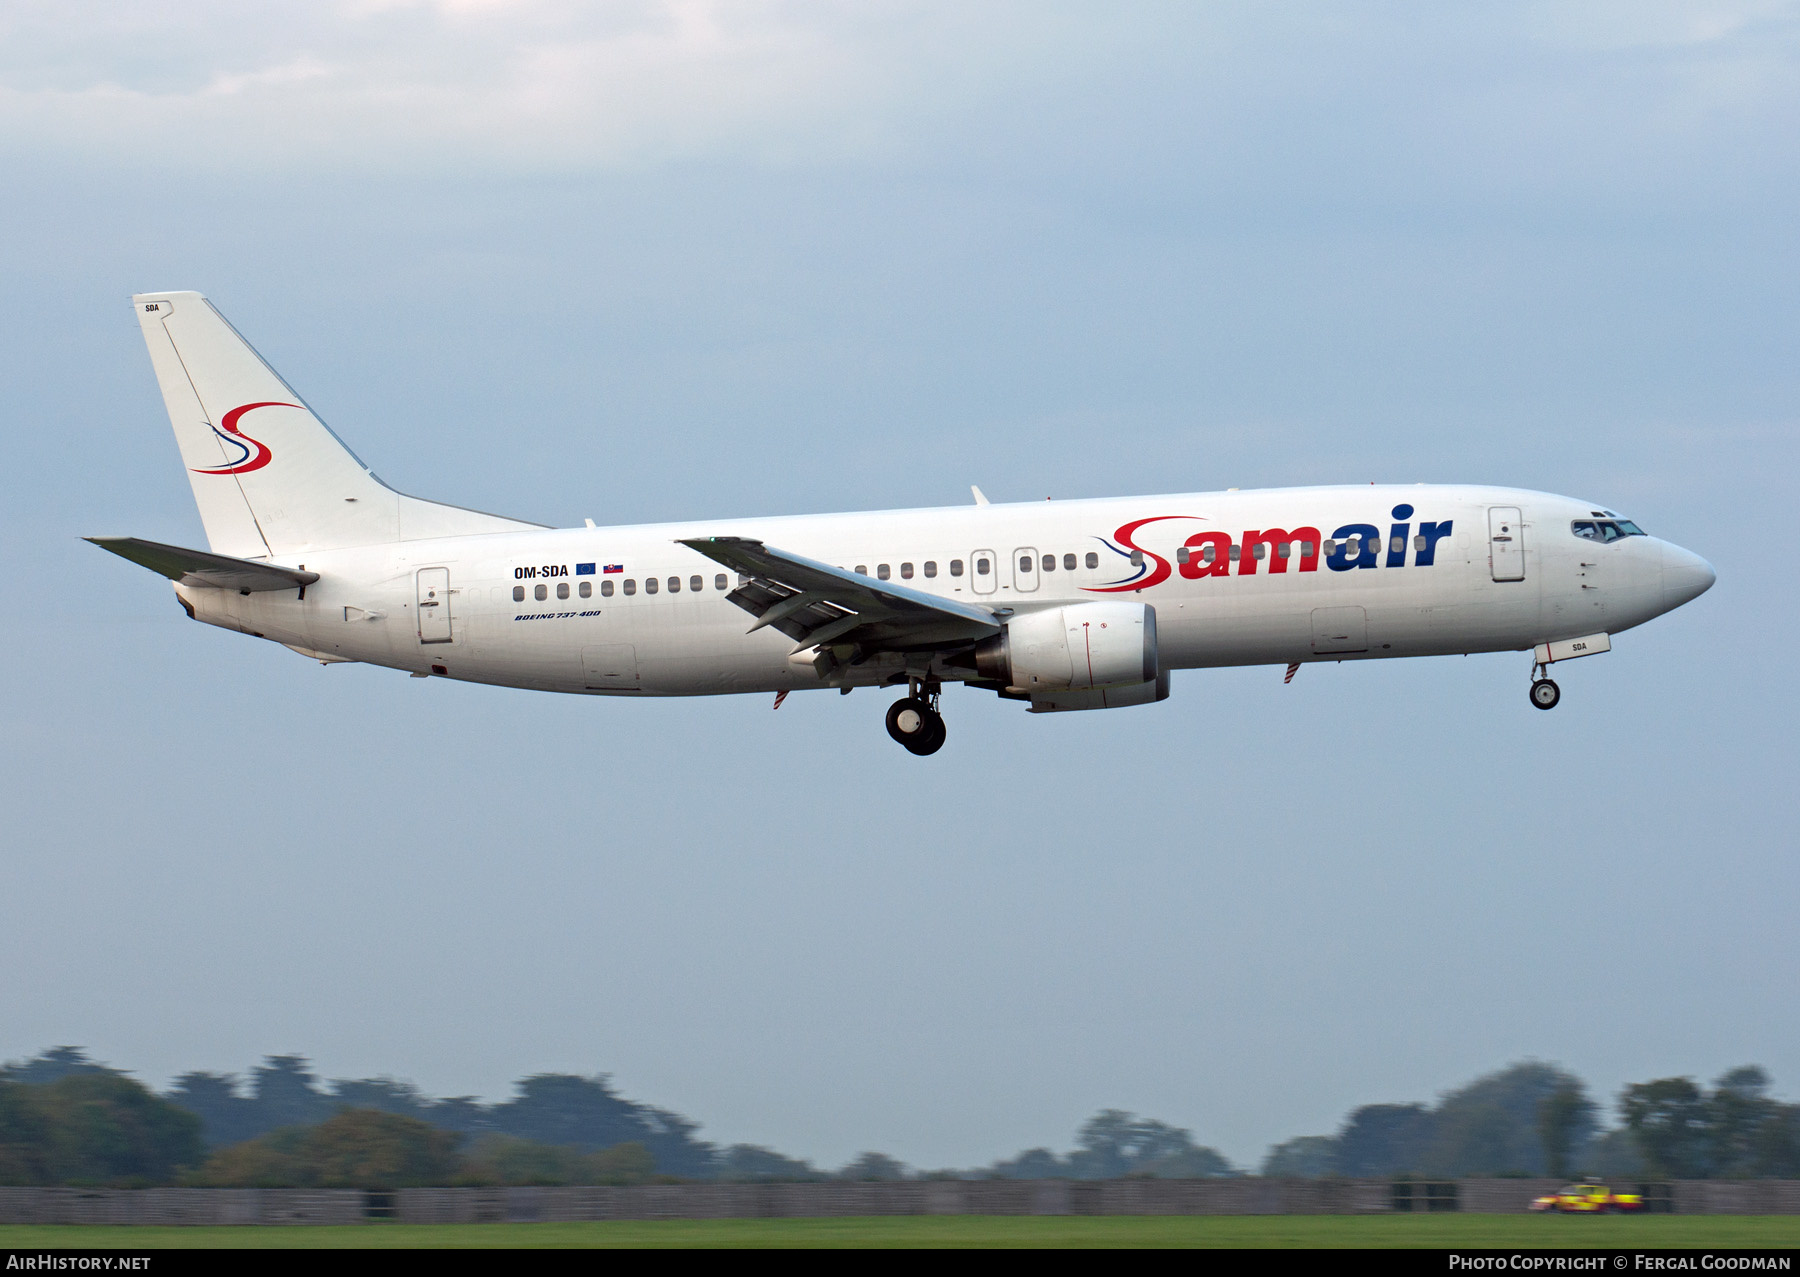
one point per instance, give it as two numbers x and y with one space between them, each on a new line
269 477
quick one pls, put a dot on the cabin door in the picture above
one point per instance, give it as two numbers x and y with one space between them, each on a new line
434 605
1506 543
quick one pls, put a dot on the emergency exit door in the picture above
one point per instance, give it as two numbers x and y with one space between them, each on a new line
1506 543
434 605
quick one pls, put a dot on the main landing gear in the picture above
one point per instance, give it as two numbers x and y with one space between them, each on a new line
1544 693
914 720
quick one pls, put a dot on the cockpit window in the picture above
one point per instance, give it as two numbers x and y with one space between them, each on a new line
1605 529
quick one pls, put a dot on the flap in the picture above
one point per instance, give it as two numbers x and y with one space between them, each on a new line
816 604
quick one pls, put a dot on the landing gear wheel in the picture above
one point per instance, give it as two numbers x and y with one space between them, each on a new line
1545 694
916 725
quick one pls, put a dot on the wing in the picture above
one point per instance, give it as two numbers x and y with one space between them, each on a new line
816 604
197 567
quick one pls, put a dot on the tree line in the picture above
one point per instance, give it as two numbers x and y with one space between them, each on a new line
67 1119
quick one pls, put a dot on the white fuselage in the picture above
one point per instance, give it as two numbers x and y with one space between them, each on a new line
509 607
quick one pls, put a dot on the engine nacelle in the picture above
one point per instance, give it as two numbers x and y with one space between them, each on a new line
1083 646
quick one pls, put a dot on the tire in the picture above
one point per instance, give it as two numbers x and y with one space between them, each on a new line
917 727
932 739
1545 694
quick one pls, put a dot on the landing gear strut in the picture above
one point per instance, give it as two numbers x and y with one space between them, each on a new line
1544 693
914 720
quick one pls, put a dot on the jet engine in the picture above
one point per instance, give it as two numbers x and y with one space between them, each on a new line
1080 648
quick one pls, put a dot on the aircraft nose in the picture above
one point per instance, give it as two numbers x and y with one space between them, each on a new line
1686 576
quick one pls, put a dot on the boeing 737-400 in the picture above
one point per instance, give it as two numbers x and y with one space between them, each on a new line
1063 605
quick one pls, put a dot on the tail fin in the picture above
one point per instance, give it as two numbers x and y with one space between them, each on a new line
269 477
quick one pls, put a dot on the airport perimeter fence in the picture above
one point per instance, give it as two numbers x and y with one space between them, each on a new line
1248 1195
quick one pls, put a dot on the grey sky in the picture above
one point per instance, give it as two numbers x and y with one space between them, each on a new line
662 261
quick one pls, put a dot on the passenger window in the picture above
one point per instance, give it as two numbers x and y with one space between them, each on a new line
649 585
696 583
1237 552
1208 553
606 589
541 593
1306 549
1025 563
1396 545
585 589
1182 555
862 569
630 586
1049 563
930 568
1137 558
1419 542
981 567
882 571
1285 549
906 571
1068 563
955 567
719 581
562 589
1260 550
518 594
1328 548
1093 559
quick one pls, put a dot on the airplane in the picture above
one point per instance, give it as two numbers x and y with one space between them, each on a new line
1060 605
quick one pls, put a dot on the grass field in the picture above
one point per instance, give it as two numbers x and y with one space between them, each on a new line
1446 1231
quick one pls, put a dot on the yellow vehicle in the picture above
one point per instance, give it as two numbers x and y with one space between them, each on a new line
1588 1199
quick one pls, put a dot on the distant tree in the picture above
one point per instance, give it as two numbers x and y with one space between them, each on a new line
276 1159
1033 1163
1493 1125
1776 1146
1668 1118
463 1114
24 1136
507 1159
1114 1143
226 1117
52 1066
1305 1157
585 1113
1613 1154
627 1163
386 1095
96 1127
1565 1120
743 1162
875 1166
1737 1111
1384 1139
354 1148
286 1093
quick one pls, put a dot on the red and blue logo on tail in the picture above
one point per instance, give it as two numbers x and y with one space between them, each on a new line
253 454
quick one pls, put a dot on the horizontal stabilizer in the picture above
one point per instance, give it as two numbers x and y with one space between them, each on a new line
197 567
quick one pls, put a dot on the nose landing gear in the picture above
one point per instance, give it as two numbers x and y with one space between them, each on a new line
1544 693
914 720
